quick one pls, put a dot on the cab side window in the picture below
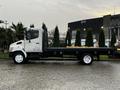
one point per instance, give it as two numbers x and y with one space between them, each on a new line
32 34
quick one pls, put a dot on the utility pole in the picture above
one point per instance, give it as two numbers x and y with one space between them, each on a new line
6 23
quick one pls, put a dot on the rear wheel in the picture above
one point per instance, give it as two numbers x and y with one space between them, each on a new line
87 59
19 58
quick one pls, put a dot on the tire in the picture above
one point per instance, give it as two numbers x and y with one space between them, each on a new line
87 59
19 58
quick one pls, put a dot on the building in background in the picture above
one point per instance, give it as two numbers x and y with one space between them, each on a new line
95 24
109 23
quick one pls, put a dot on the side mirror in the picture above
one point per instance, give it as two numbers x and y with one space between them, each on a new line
28 37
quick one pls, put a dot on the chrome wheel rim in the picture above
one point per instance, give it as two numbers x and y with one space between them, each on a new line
19 58
87 59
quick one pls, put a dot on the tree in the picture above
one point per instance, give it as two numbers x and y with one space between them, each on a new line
44 27
45 35
89 38
32 25
78 39
56 40
101 39
68 39
19 29
113 39
10 37
2 38
6 38
1 21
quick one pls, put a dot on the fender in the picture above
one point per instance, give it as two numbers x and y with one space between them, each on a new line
18 48
25 54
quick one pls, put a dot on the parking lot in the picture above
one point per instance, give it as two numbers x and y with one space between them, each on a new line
62 75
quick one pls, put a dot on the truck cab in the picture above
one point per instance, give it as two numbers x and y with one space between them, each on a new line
32 43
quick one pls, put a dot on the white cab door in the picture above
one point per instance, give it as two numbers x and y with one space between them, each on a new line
35 43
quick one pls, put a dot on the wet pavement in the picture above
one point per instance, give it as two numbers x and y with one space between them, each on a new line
68 75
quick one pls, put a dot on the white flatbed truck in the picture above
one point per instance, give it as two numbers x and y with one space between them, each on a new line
34 47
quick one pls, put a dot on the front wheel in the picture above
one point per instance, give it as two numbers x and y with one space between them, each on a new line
19 58
87 59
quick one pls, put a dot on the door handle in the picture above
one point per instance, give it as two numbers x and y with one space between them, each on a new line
37 43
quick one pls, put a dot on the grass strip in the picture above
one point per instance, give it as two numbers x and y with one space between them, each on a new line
4 55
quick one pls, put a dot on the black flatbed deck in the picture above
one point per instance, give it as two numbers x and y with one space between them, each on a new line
66 48
80 50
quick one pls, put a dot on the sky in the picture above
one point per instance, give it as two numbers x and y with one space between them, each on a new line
55 12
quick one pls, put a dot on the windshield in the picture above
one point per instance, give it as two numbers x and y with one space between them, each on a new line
32 34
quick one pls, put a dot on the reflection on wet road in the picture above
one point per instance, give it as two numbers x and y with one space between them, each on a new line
52 75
